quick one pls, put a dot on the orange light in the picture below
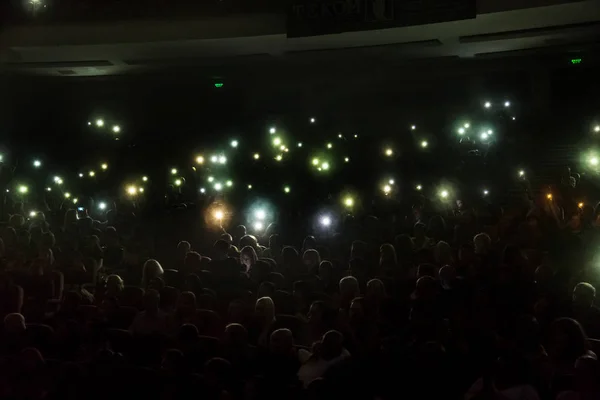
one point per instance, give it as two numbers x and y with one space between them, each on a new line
549 196
580 205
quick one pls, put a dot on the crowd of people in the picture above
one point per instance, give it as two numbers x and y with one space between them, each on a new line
476 302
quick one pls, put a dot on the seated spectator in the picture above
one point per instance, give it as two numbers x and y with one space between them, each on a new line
248 258
311 259
264 320
152 269
325 353
152 319
274 249
584 311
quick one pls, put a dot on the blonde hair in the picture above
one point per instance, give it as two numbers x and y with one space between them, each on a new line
152 269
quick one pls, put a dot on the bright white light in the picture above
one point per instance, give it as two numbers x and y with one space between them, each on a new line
340 135
202 190
325 221
48 189
141 190
229 183
312 120
260 214
279 157
131 190
346 159
104 166
210 178
214 159
329 145
37 163
387 189
286 189
487 104
424 144
485 192
389 152
597 128
256 156
521 173
489 132
219 215
173 171
75 200
218 187
89 123
391 181
277 141
419 187
299 144
178 182
325 166
467 125
23 189
355 136
67 195
348 201
507 104
81 175
234 143
145 178
594 160
102 206
249 187
413 127
514 118
32 214
199 160
56 179
116 129
272 130
92 174
444 194
484 136
258 226
461 131
282 147
99 123
222 159
315 161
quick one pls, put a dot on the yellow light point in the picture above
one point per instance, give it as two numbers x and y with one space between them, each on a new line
173 171
348 201
59 182
424 144
580 205
597 128
277 141
389 152
299 144
279 157
467 125
315 161
178 182
23 189
92 174
549 196
286 150
521 173
219 214
329 145
104 166
32 214
145 178
282 147
75 200
256 156
346 159
131 190
99 123
340 136
387 189
594 161
210 178
116 129
444 194
229 183
67 195
325 166
141 190
199 160
286 189
249 187
419 187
